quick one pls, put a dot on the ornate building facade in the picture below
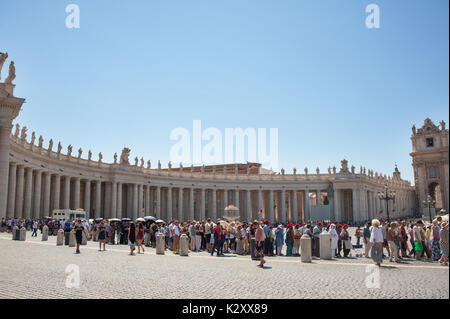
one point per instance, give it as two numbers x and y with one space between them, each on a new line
430 163
36 179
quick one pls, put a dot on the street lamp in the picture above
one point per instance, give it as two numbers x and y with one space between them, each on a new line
387 195
430 203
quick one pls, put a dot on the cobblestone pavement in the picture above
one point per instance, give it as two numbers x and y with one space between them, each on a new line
36 269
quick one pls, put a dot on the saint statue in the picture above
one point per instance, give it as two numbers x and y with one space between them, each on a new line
159 165
136 160
41 141
353 169
149 164
3 57
282 171
329 170
115 158
295 171
33 138
414 131
306 170
442 125
317 171
23 133
169 165
80 151
16 134
334 169
69 150
59 147
100 157
12 73
142 162
89 155
50 145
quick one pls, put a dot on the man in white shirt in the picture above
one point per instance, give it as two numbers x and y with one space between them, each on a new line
176 237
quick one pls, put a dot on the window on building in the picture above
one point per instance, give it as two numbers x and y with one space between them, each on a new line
430 142
432 171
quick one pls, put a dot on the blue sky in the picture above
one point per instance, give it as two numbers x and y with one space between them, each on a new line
136 70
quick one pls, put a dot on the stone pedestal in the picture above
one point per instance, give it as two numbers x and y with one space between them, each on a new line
160 244
325 245
45 233
14 233
60 238
23 234
66 238
72 239
305 249
84 238
184 245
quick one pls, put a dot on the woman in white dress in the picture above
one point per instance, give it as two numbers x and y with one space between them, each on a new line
334 240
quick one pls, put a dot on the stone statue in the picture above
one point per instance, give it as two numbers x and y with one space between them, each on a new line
169 165
353 169
136 160
317 171
364 170
329 170
3 57
236 170
80 151
306 170
115 158
282 171
89 155
334 169
12 73
344 166
294 171
69 150
142 162
33 138
159 165
248 171
41 141
149 164
59 147
414 131
442 125
50 145
125 156
16 133
100 157
23 133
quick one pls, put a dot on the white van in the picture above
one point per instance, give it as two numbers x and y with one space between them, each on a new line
69 214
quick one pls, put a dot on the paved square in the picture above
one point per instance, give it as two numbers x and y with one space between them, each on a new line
36 269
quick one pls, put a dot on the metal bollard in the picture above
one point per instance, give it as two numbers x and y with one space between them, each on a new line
325 245
184 245
305 249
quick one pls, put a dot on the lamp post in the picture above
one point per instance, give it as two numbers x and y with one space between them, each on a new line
430 203
387 195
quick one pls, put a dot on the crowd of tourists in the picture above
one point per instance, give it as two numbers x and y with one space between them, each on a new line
400 239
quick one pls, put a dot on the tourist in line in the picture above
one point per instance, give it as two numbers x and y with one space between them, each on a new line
198 236
334 240
208 226
140 237
383 229
35 227
266 230
366 239
176 237
317 230
259 243
297 236
376 238
132 238
102 236
443 233
217 232
346 242
391 239
435 247
79 230
339 244
279 235
245 236
289 239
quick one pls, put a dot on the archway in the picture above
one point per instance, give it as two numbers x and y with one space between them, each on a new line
434 189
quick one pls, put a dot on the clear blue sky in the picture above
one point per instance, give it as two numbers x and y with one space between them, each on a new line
135 70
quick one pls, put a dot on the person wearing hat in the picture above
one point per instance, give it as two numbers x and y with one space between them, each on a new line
259 243
272 241
289 239
279 234
339 243
346 242
316 235
443 234
297 236
267 233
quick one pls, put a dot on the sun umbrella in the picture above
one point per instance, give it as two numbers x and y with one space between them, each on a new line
126 219
140 219
225 225
231 208
150 218
98 219
114 220
160 221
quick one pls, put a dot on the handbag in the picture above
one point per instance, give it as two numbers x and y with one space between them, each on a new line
418 246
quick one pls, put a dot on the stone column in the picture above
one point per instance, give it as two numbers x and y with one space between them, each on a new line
271 207
47 192
337 205
147 200
76 194
12 190
202 204
236 199
135 201
318 197
119 201
66 199
355 203
28 190
294 205
283 206
57 192
158 201
19 192
260 201
98 199
114 200
180 204
307 205
214 204
169 204
225 198
140 200
37 194
87 197
248 202
191 203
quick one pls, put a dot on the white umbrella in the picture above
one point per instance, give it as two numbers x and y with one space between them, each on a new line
140 219
231 208
160 221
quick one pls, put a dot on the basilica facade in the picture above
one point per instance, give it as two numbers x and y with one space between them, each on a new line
37 177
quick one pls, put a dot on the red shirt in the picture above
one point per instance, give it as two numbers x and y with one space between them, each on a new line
218 230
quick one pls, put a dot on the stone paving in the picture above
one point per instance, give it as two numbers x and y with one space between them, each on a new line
36 269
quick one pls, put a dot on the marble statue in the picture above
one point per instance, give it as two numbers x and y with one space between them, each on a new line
23 133
149 164
306 170
41 141
100 157
334 169
16 134
442 125
414 130
3 57
115 158
353 169
294 171
50 145
80 151
364 170
159 165
169 165
136 160
125 156
59 147
282 171
33 138
89 155
69 150
142 162
329 170
11 74
344 166
317 171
